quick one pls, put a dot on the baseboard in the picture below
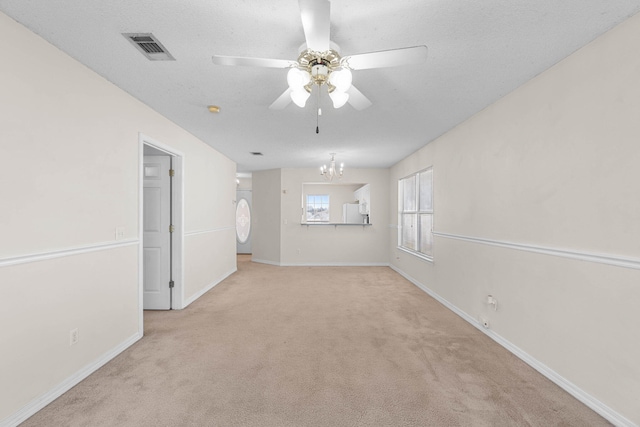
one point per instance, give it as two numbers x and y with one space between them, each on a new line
40 402
264 261
322 264
597 406
207 288
336 264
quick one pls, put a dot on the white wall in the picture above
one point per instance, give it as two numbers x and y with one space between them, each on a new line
537 202
70 144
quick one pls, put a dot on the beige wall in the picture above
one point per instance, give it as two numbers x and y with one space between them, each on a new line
537 202
265 221
339 194
244 184
334 245
70 144
280 239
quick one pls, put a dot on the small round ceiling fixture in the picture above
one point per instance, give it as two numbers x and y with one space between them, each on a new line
213 108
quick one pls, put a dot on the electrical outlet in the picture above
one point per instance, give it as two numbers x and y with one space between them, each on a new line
492 302
74 336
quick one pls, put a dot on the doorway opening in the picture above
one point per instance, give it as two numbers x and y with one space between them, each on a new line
243 213
161 227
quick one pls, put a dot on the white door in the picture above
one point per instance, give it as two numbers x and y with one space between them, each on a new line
156 237
243 222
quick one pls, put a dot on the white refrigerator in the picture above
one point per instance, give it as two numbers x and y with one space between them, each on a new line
351 213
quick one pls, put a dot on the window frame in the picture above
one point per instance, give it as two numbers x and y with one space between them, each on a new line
418 212
306 208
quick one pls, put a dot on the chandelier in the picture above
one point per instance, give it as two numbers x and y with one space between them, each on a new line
319 68
331 172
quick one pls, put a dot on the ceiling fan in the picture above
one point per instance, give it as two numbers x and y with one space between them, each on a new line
320 62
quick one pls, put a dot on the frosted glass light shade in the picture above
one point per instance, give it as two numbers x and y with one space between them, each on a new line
341 79
338 98
299 97
297 78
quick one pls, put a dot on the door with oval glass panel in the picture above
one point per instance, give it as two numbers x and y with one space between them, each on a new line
243 221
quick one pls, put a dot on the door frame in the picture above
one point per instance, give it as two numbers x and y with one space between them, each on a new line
177 206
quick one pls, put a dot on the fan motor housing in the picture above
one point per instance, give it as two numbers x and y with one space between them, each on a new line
319 65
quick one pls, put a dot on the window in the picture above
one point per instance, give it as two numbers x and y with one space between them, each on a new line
415 213
317 208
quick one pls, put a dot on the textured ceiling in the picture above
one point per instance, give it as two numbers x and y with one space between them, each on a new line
478 52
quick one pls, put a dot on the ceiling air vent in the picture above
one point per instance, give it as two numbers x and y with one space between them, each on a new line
149 46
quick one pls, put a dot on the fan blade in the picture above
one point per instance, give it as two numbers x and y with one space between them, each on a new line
282 101
357 99
316 23
387 58
253 62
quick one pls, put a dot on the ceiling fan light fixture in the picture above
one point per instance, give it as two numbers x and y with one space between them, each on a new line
297 78
341 79
319 62
299 97
338 98
320 73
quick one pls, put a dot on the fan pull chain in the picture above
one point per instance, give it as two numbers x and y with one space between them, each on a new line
318 112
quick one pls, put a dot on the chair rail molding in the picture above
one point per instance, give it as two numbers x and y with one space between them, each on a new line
76 250
615 260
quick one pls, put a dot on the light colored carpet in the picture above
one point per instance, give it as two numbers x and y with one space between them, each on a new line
314 346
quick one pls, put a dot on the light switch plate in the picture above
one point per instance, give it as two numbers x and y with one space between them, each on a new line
119 233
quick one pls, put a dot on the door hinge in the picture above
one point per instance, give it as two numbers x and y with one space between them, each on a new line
171 284
171 229
172 172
